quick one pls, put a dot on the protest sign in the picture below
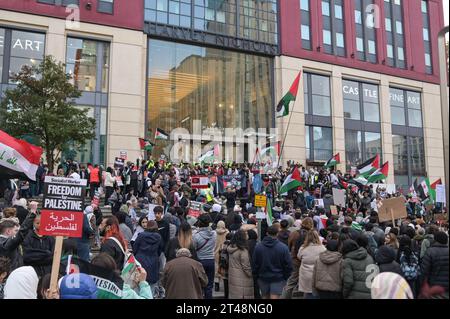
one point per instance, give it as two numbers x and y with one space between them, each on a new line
389 188
119 162
199 182
393 208
195 209
234 181
62 207
123 155
260 201
440 193
319 203
339 197
333 210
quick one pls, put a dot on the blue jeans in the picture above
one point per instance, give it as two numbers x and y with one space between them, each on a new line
208 266
83 249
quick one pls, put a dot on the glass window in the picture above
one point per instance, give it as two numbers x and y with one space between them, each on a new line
320 84
325 8
321 105
304 5
161 5
390 51
308 143
427 59
360 44
305 32
353 148
415 118
340 40
190 85
424 6
398 116
372 144
400 54
388 24
323 143
400 150
358 17
327 37
406 102
338 12
372 47
399 27
371 112
425 34
352 110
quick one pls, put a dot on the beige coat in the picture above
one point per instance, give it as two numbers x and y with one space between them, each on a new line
328 272
220 239
308 257
240 279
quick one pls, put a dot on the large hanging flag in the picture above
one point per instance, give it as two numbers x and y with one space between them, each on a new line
293 181
333 161
269 216
358 181
368 167
146 144
18 158
283 105
380 174
161 135
433 189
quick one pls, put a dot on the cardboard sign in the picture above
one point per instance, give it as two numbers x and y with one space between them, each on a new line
440 193
334 210
123 155
339 197
390 188
62 207
396 205
119 162
260 201
199 182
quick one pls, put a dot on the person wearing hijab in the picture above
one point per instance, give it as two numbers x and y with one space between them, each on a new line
22 283
388 285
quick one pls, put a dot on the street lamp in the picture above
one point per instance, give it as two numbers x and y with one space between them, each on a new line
444 107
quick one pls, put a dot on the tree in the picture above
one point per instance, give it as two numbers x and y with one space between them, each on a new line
43 105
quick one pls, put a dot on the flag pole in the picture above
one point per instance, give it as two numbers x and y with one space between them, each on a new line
284 139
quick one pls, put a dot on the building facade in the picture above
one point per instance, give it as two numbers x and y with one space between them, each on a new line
370 84
211 72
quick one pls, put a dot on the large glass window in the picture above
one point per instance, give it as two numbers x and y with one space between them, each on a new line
250 19
360 146
319 143
406 109
361 101
305 19
333 27
26 48
426 37
393 11
317 94
2 45
365 31
217 88
85 59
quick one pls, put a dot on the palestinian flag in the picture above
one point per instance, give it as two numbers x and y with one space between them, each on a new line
18 158
146 144
161 135
358 181
269 216
342 183
433 189
332 162
283 105
368 167
379 174
129 270
210 155
293 181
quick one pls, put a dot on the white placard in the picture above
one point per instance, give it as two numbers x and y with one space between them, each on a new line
319 202
339 197
151 213
440 193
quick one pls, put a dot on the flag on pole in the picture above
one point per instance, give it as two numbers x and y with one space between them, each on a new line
342 183
145 144
161 135
368 167
380 174
423 189
269 216
333 161
291 182
18 158
283 105
433 189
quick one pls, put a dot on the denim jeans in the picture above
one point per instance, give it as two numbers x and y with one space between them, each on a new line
208 266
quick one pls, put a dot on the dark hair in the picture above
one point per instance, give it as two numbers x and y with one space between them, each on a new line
284 223
368 227
204 220
252 234
239 239
405 247
272 230
362 240
8 223
141 220
105 261
158 209
43 285
5 265
109 169
121 217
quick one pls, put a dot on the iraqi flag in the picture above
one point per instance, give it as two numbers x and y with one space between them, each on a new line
380 174
18 158
336 159
283 105
293 181
368 167
161 135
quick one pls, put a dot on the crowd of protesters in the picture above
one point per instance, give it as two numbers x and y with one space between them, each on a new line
307 251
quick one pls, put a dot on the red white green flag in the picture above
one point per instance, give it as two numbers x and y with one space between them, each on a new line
368 167
380 174
283 105
336 159
161 135
293 181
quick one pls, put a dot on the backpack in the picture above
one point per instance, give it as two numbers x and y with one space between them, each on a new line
411 268
224 258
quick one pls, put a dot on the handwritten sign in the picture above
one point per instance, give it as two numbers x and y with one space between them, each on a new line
395 205
440 193
339 197
63 205
199 182
260 201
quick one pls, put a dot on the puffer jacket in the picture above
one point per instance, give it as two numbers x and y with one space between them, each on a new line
435 265
356 271
328 272
240 278
308 257
385 258
204 243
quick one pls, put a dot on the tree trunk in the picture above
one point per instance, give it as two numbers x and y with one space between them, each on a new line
50 162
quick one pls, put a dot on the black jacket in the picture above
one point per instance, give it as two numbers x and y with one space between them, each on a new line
164 231
21 213
9 246
111 248
38 252
435 265
385 258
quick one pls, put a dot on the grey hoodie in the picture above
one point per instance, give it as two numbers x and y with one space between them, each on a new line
204 242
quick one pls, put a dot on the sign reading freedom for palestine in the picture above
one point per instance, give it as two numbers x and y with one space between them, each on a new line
63 205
